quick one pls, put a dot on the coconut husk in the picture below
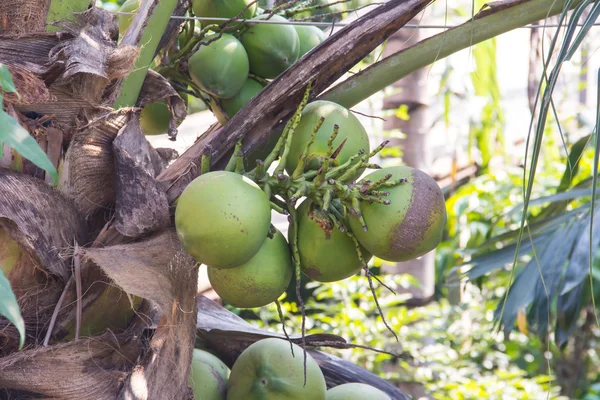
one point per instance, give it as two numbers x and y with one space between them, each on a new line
141 363
157 269
141 204
76 65
155 88
89 172
98 173
44 222
93 368
22 16
31 89
91 58
45 225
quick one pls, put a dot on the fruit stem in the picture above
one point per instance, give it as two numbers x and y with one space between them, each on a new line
293 124
205 163
233 161
322 173
337 171
278 208
259 172
351 172
302 162
293 237
280 312
258 79
239 161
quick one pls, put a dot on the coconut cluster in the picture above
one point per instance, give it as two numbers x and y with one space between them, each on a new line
337 222
270 369
228 62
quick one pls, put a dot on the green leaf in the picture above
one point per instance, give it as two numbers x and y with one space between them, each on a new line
6 81
19 139
10 308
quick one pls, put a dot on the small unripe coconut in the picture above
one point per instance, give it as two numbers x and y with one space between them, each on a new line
350 130
268 370
250 89
356 391
271 48
326 253
310 37
259 281
223 9
155 118
208 376
220 67
222 219
125 20
411 225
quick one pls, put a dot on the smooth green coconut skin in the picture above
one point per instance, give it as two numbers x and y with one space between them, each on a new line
266 370
259 281
310 37
222 9
350 128
250 89
208 376
326 253
271 48
356 391
155 118
412 225
221 67
222 219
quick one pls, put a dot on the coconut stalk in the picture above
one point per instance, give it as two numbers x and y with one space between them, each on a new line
497 18
147 28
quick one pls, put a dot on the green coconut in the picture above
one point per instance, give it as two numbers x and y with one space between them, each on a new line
208 376
10 252
267 370
326 253
112 310
350 130
356 391
155 118
271 48
259 281
222 219
310 37
250 89
223 9
220 67
125 20
412 225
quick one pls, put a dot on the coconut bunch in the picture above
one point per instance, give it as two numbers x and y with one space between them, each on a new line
227 63
269 369
337 222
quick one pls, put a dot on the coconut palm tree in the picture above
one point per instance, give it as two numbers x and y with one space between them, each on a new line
107 296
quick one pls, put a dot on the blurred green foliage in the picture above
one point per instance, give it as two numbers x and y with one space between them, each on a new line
451 350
